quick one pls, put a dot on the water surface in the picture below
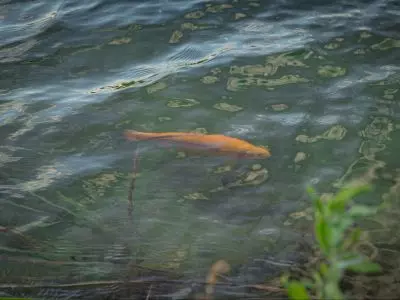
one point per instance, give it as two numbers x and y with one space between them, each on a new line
315 81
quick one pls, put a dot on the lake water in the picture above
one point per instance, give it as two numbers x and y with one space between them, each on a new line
315 81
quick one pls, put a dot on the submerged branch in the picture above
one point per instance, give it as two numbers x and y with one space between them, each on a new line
66 210
85 284
132 186
23 206
150 281
27 239
267 288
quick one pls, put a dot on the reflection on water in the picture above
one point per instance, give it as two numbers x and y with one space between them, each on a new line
317 83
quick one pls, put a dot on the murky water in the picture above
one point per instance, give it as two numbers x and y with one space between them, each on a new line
318 83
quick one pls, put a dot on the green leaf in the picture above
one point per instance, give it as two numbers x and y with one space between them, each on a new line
319 206
337 206
348 193
355 236
311 192
358 210
297 291
338 230
345 195
332 291
323 234
365 267
317 279
323 269
284 279
350 260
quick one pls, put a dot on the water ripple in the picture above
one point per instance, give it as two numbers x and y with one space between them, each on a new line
185 57
34 18
91 15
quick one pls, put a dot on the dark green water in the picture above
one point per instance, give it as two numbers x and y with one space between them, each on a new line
315 81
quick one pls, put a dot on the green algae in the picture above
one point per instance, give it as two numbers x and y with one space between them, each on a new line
158 86
379 129
120 41
181 154
365 35
386 44
236 84
164 119
336 132
300 156
283 60
238 16
359 51
194 14
390 93
198 26
209 79
216 71
256 176
222 169
195 196
176 37
332 46
99 185
331 71
363 169
227 107
271 66
252 70
218 8
376 133
370 148
256 167
176 103
279 107
306 214
201 130
254 4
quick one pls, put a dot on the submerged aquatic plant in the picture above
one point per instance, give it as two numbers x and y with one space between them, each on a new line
336 238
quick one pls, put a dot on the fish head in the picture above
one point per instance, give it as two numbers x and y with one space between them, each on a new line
257 152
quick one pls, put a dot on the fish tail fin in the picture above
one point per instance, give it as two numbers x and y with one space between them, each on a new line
134 135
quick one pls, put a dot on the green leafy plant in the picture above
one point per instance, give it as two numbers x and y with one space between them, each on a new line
336 239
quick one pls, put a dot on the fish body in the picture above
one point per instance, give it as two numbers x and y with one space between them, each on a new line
215 143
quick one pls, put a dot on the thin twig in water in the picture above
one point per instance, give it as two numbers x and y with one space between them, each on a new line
149 292
132 186
267 288
53 204
69 212
23 206
29 240
87 284
28 260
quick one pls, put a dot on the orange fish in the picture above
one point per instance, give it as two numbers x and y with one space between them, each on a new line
215 143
